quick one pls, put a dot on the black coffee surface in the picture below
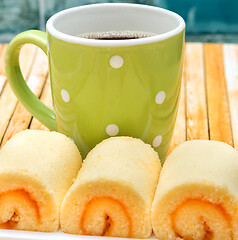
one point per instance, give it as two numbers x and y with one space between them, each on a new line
116 35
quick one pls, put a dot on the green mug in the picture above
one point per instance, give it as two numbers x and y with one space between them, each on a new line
103 88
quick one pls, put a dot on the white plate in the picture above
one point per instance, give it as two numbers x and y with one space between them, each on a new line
27 235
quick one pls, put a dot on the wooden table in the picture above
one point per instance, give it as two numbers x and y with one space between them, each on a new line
209 96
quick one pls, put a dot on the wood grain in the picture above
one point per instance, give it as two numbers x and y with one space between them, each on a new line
196 108
231 74
8 101
217 99
21 117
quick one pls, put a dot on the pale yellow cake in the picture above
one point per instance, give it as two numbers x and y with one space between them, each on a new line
113 192
36 170
197 194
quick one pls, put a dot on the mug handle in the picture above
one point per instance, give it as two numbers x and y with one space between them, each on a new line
17 82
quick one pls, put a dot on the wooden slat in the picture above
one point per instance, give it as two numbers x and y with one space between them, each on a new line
8 100
217 99
196 109
47 100
231 74
2 67
21 117
179 135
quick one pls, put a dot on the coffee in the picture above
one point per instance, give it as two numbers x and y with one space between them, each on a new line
116 35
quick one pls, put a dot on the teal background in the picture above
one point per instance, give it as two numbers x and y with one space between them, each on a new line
206 20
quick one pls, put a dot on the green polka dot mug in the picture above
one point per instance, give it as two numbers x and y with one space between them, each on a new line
103 88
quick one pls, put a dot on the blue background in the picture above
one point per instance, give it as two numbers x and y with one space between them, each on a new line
206 20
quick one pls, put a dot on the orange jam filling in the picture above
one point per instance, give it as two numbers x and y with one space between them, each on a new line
208 233
109 223
12 197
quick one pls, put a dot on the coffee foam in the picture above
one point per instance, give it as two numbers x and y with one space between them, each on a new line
116 35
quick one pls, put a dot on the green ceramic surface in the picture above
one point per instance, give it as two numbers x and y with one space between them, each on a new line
17 82
89 94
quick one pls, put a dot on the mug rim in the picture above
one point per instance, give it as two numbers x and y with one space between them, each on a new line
113 43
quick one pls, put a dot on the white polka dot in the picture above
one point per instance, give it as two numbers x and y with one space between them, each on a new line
157 141
112 130
65 95
160 97
116 61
